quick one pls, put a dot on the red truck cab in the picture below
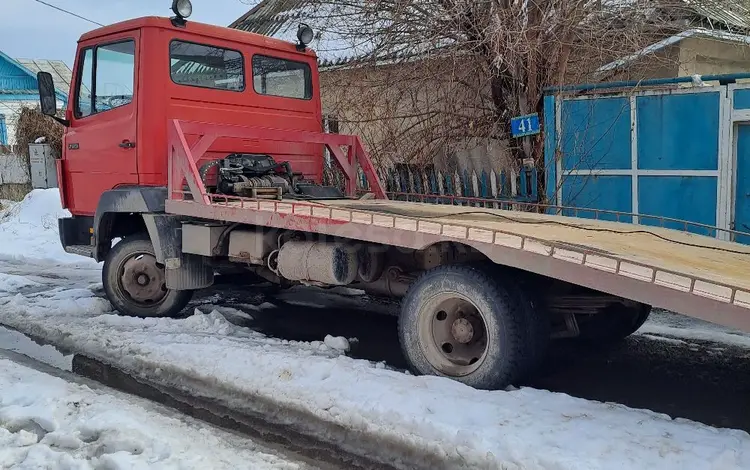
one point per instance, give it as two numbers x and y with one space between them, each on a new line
132 77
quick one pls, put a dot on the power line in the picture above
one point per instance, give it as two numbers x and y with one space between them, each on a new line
69 12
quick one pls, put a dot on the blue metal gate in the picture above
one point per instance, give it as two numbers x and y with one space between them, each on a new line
667 152
739 96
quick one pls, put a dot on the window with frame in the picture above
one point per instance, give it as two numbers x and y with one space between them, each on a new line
106 78
280 77
3 131
205 66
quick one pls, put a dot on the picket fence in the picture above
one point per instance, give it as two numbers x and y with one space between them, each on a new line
411 183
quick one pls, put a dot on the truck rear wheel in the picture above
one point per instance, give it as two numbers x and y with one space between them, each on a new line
135 282
460 322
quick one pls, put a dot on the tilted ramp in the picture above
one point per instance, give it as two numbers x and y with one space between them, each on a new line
690 274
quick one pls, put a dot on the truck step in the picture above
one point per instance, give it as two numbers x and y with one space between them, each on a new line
81 250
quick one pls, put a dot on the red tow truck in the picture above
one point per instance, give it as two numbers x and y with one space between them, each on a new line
202 149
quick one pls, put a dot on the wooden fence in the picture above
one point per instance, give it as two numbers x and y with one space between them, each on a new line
15 179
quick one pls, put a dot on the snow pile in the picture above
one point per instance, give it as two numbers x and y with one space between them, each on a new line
523 428
12 283
47 422
339 343
28 229
16 342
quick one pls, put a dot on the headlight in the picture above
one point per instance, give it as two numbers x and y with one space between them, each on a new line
304 34
182 8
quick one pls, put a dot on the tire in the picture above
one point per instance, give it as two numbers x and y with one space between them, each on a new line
436 340
134 282
615 323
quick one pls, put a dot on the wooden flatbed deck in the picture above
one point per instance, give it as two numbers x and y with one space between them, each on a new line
671 250
690 274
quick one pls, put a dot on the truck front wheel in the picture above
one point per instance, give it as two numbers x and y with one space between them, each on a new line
460 322
135 282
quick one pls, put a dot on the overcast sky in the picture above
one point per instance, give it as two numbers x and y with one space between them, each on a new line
30 30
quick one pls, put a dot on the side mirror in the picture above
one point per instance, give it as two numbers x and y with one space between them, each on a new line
47 96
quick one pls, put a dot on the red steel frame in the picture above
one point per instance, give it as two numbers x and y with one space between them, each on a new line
183 158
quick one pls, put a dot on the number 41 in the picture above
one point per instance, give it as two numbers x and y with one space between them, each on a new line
525 125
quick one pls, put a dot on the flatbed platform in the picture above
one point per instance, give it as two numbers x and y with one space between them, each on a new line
691 274
672 250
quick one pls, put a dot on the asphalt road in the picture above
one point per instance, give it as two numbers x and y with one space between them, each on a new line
698 380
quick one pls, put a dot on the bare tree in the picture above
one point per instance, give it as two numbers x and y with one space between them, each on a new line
430 74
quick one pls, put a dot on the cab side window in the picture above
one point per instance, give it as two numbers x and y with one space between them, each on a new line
83 107
106 78
280 77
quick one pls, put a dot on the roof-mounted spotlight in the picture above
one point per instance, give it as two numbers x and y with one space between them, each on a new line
305 36
182 10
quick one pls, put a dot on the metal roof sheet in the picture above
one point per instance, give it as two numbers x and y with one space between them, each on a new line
61 73
730 14
8 91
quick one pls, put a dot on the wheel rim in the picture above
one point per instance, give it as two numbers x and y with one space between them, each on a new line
142 280
453 334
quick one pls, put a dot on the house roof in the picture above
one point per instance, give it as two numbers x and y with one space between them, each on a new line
334 43
657 46
16 79
61 74
729 14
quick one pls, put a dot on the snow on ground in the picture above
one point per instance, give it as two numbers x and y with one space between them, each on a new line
50 423
13 341
664 325
523 428
28 229
12 282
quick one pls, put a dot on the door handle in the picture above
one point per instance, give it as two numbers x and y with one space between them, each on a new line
126 144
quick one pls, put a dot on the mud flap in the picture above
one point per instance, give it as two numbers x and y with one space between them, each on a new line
188 272
183 271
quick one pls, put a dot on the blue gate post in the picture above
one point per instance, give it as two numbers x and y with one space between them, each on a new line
550 150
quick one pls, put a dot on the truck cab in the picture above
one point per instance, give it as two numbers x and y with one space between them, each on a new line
131 78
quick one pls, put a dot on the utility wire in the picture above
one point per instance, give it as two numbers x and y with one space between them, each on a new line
69 12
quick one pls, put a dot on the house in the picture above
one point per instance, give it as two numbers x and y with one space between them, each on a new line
412 121
18 88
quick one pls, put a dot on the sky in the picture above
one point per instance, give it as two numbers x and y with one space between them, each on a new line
31 30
